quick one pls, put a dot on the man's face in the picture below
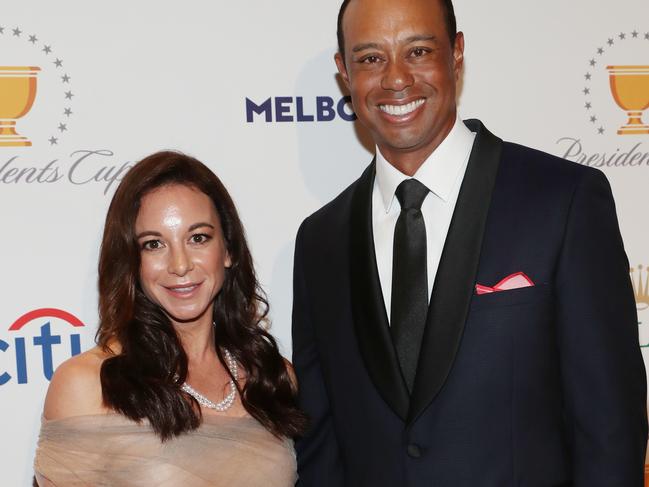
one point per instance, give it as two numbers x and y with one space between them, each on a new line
401 70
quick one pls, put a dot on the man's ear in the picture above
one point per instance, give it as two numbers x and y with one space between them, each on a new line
342 69
458 54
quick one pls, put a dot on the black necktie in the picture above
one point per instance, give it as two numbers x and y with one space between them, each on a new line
409 281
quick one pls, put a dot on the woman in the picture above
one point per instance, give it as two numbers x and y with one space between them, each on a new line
185 387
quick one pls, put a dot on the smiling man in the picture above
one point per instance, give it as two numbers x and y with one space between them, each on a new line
463 314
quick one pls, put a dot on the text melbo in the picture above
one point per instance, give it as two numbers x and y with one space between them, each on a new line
300 109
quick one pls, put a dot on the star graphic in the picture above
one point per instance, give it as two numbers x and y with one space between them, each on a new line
68 95
17 32
53 140
47 49
600 130
33 39
610 42
58 63
65 78
593 62
63 127
586 91
588 76
634 34
600 50
593 119
67 112
588 105
622 36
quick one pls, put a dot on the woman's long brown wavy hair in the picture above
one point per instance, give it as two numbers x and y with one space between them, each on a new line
143 380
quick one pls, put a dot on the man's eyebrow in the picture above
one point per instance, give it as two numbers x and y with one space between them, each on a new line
363 47
408 40
421 37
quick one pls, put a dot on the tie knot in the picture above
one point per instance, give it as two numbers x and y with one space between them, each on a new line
411 194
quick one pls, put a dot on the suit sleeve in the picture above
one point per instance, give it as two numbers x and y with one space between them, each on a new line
602 369
317 451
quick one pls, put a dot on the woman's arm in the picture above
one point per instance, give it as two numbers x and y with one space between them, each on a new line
42 481
75 389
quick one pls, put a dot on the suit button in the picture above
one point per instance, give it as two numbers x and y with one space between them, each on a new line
414 451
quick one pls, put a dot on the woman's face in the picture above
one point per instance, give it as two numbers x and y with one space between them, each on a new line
183 252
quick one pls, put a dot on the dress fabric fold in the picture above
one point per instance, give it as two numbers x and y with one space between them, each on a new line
111 450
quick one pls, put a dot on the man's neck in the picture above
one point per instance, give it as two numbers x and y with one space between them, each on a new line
409 161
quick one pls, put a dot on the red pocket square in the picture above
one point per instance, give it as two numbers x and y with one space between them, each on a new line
515 281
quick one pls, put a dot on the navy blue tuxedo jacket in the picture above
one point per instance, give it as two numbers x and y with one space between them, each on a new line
538 386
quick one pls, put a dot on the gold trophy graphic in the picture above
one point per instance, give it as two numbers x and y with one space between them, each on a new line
640 282
630 88
17 94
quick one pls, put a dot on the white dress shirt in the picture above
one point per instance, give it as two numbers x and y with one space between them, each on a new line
442 173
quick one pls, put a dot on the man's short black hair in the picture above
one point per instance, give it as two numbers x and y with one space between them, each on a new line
447 5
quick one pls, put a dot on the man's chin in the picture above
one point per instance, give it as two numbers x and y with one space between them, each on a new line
403 144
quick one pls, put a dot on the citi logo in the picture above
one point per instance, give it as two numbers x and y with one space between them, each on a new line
32 335
300 109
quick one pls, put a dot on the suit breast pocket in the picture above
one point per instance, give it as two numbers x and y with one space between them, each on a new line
513 297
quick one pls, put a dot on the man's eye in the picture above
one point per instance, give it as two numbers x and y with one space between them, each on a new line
370 59
419 51
152 245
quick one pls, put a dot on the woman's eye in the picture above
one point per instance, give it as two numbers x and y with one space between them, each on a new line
152 245
199 238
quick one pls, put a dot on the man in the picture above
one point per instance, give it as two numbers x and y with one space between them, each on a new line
463 314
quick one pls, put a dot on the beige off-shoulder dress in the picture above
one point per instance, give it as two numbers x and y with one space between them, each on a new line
111 450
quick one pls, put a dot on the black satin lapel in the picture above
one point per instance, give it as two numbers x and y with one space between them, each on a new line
370 319
457 271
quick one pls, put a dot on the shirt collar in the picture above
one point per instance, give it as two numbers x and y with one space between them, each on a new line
438 172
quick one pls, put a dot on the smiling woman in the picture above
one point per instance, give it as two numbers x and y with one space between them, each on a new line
184 256
180 312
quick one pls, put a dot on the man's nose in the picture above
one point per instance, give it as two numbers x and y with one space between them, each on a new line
397 76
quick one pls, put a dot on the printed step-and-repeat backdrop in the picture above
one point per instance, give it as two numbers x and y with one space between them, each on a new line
250 88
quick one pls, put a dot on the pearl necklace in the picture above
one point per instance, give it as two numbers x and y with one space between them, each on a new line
228 400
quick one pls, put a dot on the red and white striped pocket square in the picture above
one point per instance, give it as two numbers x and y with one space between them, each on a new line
515 281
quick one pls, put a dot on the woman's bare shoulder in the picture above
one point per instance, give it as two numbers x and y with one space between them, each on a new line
75 388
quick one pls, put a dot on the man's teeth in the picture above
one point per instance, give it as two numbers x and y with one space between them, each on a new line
401 109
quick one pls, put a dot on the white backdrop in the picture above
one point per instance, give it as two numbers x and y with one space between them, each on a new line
119 80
